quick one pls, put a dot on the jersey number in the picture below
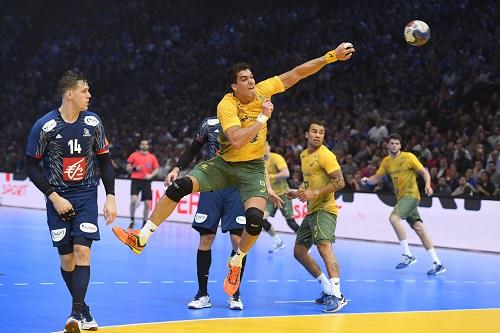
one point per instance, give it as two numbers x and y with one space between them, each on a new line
74 146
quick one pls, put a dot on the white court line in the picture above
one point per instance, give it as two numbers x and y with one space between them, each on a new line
351 280
292 280
389 280
490 282
47 283
120 282
470 281
429 281
167 281
370 281
252 281
273 281
21 284
189 281
212 281
311 280
450 281
144 282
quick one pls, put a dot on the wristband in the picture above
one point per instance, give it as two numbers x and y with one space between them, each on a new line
262 118
330 57
48 192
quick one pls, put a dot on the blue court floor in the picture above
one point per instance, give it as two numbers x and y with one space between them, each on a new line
157 285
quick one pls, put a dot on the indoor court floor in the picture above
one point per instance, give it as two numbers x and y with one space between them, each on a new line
149 293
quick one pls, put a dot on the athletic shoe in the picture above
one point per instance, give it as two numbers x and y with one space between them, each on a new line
131 225
235 303
322 299
406 261
73 323
334 304
232 280
88 322
129 238
200 302
277 247
436 269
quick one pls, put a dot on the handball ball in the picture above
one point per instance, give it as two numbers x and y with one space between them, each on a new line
417 33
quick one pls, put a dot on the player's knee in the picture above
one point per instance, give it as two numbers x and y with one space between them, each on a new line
254 217
266 225
179 188
417 226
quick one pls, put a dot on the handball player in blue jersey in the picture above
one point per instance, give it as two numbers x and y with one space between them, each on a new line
223 205
70 142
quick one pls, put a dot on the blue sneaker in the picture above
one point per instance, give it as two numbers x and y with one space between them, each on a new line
322 299
436 269
88 322
406 261
334 304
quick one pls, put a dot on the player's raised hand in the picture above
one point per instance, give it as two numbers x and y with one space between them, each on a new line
344 51
109 210
267 108
62 206
172 176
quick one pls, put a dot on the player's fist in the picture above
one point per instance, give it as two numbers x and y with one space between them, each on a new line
344 51
364 180
62 206
172 176
267 108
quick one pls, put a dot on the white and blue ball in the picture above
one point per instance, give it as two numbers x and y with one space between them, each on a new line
417 33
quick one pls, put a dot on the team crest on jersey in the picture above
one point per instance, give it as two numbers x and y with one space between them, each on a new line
58 234
212 122
49 126
200 218
91 121
74 168
241 220
86 132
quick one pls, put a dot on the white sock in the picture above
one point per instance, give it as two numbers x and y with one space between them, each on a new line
434 256
147 231
237 259
325 284
335 282
406 248
276 239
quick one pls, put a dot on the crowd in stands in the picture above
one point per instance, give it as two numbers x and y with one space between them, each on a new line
157 68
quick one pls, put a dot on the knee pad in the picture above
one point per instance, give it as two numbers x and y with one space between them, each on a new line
254 217
179 188
266 225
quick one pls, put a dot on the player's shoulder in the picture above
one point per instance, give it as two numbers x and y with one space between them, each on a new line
276 156
324 151
48 121
90 118
227 101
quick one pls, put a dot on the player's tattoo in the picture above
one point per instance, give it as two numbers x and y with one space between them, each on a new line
337 179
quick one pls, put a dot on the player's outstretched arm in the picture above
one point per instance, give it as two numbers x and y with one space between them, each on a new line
184 161
427 179
343 52
372 180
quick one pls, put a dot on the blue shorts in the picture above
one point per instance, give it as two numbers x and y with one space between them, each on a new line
223 205
84 224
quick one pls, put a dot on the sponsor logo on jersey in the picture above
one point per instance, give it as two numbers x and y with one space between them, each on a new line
88 227
91 121
86 132
200 218
212 122
241 220
58 234
74 168
49 126
58 136
216 131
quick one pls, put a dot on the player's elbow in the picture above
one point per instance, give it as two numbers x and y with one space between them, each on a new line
340 184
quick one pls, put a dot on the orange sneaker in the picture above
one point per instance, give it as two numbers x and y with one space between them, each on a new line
129 238
232 280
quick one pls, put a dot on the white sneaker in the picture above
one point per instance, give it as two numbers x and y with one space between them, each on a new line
235 304
277 247
88 321
200 302
73 324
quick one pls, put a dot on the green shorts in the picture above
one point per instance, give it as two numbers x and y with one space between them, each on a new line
287 209
216 174
317 227
407 208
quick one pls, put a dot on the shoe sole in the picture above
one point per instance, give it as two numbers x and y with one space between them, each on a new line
342 305
437 273
230 288
411 263
199 308
136 251
93 328
72 327
235 307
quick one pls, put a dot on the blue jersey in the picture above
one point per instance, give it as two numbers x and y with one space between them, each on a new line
68 150
208 131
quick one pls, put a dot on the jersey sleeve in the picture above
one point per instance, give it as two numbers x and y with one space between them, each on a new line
37 141
382 169
131 158
414 162
156 165
271 86
228 115
328 161
101 143
202 133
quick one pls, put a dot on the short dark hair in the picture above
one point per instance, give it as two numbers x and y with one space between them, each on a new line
69 80
395 136
232 72
317 122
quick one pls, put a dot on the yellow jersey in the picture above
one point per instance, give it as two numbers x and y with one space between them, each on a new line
402 170
316 168
274 164
231 112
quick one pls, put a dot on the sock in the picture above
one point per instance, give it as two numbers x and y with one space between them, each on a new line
406 248
335 283
434 256
132 219
147 231
292 224
68 279
81 278
203 262
325 284
236 295
237 259
276 239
